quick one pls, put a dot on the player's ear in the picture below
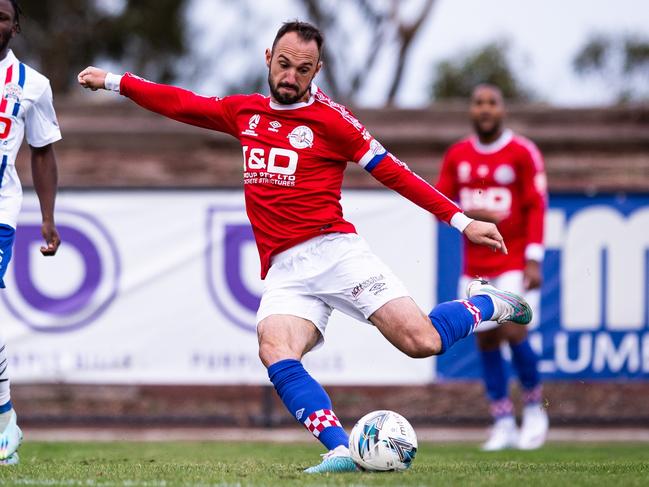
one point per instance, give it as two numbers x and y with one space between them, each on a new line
318 68
269 56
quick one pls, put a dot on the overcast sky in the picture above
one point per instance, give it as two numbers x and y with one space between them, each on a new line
544 37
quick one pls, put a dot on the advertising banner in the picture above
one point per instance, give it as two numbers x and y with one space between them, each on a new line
595 298
162 287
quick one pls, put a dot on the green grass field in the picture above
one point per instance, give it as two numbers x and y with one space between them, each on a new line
216 463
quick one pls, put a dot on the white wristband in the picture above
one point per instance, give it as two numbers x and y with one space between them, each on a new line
460 221
534 251
112 82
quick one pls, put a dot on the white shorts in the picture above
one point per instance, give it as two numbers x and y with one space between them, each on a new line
333 271
508 281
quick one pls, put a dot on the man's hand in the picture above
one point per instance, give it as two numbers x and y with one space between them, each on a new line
532 276
483 233
93 78
52 239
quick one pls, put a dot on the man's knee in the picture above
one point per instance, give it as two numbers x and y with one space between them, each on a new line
421 345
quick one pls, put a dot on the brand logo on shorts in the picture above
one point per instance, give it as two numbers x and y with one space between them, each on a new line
378 288
359 288
301 137
299 413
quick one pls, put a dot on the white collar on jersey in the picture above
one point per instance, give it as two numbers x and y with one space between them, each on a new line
293 106
10 58
504 139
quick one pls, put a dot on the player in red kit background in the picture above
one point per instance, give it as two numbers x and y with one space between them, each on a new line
498 176
296 144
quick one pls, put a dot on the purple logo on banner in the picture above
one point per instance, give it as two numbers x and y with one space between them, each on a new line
87 262
232 265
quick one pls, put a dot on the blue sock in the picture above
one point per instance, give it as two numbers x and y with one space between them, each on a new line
307 401
6 407
526 361
454 320
494 374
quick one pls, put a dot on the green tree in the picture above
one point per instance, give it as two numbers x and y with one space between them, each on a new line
490 64
62 37
621 62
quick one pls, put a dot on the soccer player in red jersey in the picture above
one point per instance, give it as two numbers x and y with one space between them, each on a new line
26 110
296 144
498 176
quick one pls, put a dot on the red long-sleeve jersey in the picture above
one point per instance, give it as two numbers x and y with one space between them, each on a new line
294 159
507 178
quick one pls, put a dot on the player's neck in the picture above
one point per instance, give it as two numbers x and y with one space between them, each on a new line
3 53
486 139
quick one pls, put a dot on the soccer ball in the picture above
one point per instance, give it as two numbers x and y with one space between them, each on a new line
383 441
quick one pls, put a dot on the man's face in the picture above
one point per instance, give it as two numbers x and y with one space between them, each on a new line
292 65
487 111
7 23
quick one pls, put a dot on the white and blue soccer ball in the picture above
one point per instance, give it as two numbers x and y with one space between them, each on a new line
383 441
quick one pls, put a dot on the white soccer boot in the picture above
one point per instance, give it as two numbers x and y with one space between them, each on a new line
507 306
12 460
10 438
534 429
504 435
337 460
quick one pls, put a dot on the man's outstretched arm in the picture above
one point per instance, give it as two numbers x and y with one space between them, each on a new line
395 175
170 101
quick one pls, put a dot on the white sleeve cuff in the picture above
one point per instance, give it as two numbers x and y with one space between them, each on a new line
460 221
112 82
534 252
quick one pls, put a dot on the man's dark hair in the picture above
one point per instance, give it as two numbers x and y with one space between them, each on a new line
307 32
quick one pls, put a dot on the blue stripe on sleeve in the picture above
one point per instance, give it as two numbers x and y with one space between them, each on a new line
21 83
375 161
3 167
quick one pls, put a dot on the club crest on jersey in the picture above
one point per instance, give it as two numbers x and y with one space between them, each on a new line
12 92
301 137
252 125
504 174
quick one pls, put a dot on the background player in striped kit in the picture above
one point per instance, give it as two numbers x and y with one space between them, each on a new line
498 176
296 144
25 110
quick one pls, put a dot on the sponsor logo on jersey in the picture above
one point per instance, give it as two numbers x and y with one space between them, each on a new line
252 125
359 288
274 126
13 92
504 174
301 137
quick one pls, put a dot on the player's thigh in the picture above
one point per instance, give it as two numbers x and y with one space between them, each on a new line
284 337
406 327
290 319
354 280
